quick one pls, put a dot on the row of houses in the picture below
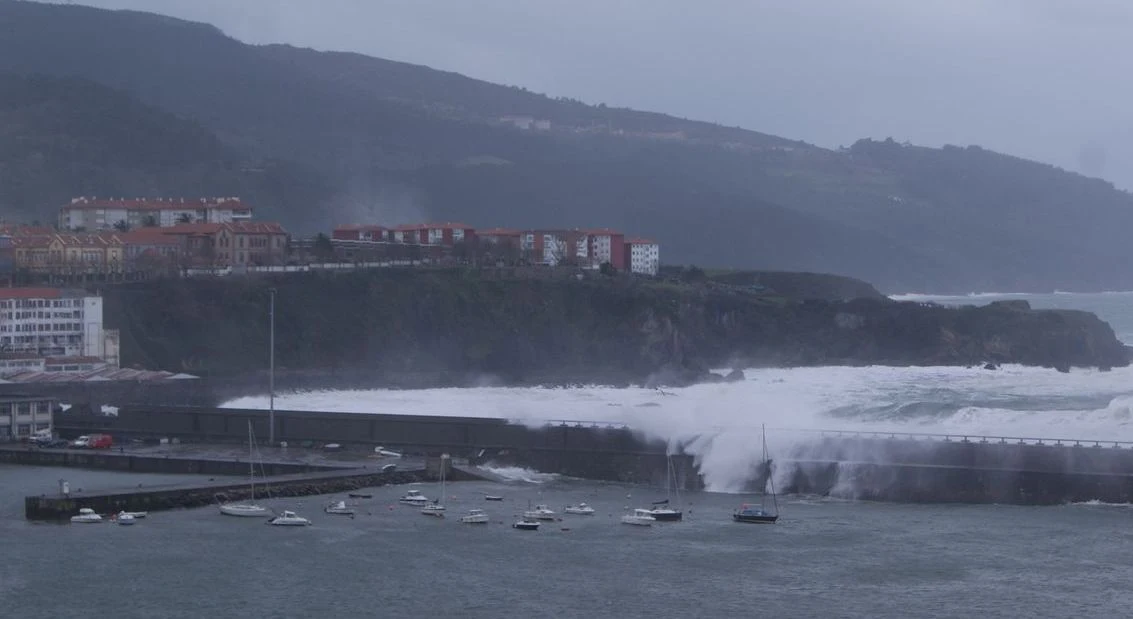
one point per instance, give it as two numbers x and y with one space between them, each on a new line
588 248
46 251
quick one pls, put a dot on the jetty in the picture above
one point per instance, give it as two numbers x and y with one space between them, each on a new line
61 505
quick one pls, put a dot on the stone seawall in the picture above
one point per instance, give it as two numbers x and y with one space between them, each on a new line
132 463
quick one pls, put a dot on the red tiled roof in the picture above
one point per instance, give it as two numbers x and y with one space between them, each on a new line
640 242
205 228
600 231
30 293
352 227
29 242
498 232
256 227
24 231
56 360
147 236
448 225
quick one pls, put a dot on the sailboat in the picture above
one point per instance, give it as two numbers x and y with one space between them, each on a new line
437 508
249 509
760 515
661 510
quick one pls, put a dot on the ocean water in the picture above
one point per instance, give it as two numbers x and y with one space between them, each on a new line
825 558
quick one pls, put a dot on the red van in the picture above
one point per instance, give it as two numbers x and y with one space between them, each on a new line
100 441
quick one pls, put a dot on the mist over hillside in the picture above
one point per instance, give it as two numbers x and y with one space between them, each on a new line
319 138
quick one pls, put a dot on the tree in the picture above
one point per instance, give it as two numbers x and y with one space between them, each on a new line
149 221
607 269
323 248
122 226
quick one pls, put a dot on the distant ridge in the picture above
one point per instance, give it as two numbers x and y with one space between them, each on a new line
342 137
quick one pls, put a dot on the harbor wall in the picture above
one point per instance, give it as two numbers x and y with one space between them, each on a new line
894 468
132 463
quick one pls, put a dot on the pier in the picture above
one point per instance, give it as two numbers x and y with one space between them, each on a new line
58 506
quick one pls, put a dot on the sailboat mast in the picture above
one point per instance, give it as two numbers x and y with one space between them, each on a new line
770 477
251 462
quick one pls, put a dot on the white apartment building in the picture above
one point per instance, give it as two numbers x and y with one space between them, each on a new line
644 256
104 213
53 322
22 416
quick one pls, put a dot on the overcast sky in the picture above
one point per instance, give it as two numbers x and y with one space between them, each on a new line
1043 79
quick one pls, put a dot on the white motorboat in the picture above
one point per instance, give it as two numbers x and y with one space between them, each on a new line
125 518
413 497
289 519
86 516
526 525
493 497
582 509
639 517
474 516
340 508
134 514
541 512
250 509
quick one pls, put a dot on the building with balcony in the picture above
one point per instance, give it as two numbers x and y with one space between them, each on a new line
23 416
91 213
643 256
235 244
55 322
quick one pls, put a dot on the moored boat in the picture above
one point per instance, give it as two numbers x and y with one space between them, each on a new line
250 509
582 509
640 518
760 515
124 518
526 525
340 508
289 519
86 516
541 512
474 516
413 497
492 497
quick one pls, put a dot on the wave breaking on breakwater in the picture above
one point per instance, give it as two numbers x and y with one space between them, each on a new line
720 423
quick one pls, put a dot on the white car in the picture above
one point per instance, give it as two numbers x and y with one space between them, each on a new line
82 441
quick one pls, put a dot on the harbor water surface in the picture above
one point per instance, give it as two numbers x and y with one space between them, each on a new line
825 557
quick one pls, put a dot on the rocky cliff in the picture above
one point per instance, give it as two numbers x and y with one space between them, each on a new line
522 328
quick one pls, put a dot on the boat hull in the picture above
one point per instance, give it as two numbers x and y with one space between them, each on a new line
638 522
672 516
755 519
474 520
526 526
245 511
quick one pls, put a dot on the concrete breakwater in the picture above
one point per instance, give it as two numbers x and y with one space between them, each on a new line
151 463
156 498
885 467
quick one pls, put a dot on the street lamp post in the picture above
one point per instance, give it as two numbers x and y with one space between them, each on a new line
271 373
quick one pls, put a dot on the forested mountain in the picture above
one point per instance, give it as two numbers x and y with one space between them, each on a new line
318 138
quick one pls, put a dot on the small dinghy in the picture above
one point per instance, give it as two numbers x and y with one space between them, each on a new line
526 525
125 518
492 497
359 495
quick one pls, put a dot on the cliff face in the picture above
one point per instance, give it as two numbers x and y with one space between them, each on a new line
521 329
